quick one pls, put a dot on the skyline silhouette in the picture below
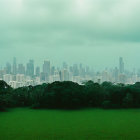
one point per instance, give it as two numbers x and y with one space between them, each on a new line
93 32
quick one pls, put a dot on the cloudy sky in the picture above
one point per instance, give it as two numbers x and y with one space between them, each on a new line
94 32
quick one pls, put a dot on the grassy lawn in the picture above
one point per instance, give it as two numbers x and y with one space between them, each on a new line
92 124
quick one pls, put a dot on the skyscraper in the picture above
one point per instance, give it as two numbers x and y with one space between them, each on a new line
46 69
75 70
30 68
116 74
21 69
65 66
14 66
121 65
8 68
37 71
52 70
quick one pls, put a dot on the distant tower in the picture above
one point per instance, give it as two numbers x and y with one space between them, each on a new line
65 66
116 74
52 70
121 65
37 72
21 69
75 70
14 66
30 68
46 69
8 68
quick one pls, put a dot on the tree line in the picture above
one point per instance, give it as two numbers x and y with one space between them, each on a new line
70 95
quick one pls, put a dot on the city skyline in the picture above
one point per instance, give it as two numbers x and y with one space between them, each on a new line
42 63
69 69
98 67
89 31
15 64
18 74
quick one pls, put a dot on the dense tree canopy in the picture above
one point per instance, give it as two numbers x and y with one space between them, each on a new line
70 95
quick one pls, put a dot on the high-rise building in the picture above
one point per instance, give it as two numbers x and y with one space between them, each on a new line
46 69
7 78
14 66
87 70
66 75
2 72
20 78
30 68
65 66
121 65
61 75
116 74
122 78
75 70
21 69
37 71
52 70
42 77
8 68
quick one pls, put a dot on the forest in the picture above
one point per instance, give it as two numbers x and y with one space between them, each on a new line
70 95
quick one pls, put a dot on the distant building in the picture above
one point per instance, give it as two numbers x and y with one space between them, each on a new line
21 69
14 66
46 70
37 71
116 74
64 75
121 65
122 78
7 78
52 70
75 70
20 78
30 68
65 66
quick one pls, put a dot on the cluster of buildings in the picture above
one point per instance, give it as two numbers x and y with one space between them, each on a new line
18 75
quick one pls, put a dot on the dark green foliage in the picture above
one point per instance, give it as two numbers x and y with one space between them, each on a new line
6 98
70 95
106 104
128 101
4 88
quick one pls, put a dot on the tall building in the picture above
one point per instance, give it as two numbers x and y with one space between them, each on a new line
14 66
30 68
81 70
66 75
21 69
20 78
116 74
42 77
121 65
2 72
65 66
8 68
37 71
75 70
7 78
46 69
52 70
61 75
87 70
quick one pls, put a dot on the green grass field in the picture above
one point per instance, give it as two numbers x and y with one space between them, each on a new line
92 124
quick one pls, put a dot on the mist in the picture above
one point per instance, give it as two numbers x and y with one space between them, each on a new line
92 32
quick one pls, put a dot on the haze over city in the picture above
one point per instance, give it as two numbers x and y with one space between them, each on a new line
69 70
93 32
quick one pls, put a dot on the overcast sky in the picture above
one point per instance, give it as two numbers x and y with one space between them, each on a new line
94 32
